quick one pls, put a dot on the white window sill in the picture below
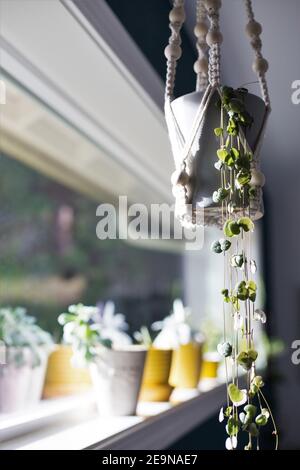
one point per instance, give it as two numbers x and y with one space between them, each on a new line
72 424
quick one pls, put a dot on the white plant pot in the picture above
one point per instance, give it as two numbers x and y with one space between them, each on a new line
14 384
37 378
204 178
116 377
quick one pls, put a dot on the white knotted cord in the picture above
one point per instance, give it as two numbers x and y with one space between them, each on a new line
256 44
208 80
174 41
215 47
201 65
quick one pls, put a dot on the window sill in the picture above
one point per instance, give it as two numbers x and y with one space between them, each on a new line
72 423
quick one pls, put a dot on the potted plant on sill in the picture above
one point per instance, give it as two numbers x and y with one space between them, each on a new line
98 340
155 383
211 358
62 377
177 333
27 347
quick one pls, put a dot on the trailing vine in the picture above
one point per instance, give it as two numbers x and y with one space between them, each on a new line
247 410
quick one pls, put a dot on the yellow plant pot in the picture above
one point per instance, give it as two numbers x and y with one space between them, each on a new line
61 377
186 365
155 385
209 368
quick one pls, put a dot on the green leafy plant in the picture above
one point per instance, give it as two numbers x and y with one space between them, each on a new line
212 334
20 333
235 163
143 336
87 328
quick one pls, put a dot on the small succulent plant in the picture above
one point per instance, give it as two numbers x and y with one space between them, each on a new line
88 327
19 332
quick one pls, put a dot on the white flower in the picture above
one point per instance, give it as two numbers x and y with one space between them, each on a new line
175 329
112 326
111 320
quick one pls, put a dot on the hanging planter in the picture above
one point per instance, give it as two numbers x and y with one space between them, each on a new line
192 118
216 135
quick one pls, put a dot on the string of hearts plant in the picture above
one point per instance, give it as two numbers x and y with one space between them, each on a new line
247 409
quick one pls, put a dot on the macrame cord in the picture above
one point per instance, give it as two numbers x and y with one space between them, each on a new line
208 81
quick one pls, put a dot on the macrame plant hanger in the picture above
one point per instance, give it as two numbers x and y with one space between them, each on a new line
192 118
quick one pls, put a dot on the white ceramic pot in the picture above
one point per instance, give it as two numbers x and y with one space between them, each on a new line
116 377
15 382
37 378
204 178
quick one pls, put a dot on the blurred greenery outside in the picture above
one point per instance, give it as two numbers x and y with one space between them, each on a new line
50 255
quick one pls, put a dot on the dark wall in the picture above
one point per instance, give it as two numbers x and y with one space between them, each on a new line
148 24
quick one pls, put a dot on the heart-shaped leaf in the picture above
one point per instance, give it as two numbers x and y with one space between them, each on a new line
237 396
246 358
261 419
237 261
216 247
222 154
232 427
258 381
246 224
224 349
226 229
251 286
218 131
225 244
234 227
250 409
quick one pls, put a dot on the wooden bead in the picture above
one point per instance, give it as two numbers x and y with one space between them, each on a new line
180 177
260 65
214 37
201 65
256 42
183 178
253 28
213 4
177 15
173 51
257 178
201 29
